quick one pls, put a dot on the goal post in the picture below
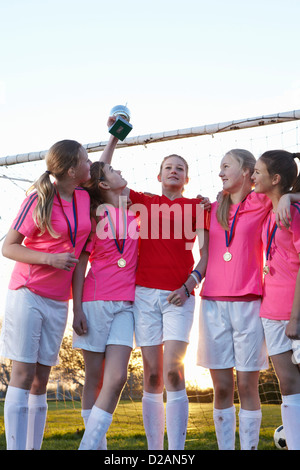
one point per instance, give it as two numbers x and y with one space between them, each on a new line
207 129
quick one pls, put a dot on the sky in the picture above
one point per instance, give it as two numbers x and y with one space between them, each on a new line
176 64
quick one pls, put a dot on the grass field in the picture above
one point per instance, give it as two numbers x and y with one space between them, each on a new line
64 427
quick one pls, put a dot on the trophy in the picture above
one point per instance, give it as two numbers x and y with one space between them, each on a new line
121 126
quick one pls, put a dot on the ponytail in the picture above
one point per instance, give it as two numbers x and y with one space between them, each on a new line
296 185
60 158
43 210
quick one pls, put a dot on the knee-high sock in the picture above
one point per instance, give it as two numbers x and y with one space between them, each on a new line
97 426
85 415
249 427
16 418
37 413
225 425
154 419
290 412
177 413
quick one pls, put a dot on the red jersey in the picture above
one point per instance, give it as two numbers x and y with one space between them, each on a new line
167 234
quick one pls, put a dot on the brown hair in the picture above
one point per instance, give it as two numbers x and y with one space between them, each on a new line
247 161
283 163
59 159
92 186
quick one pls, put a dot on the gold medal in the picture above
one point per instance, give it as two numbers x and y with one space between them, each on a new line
266 269
227 256
121 263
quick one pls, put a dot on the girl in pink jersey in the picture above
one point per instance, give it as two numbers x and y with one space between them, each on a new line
230 330
103 302
275 175
164 300
45 240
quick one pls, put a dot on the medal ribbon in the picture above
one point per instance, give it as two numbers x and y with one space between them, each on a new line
114 231
75 213
270 238
228 240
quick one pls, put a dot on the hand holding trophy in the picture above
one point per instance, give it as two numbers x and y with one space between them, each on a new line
121 126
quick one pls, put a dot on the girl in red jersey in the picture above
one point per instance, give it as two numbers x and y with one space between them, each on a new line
45 240
164 300
275 175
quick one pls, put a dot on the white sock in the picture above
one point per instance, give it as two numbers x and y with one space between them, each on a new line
290 412
16 418
177 414
225 425
85 415
249 427
154 419
97 426
37 413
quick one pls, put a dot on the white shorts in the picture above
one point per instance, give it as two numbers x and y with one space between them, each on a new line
277 341
231 335
33 327
108 322
156 320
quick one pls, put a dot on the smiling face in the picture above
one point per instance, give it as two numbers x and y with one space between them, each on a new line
82 169
231 173
263 181
173 173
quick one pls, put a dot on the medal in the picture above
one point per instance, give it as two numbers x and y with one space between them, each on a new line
228 238
227 256
120 247
121 263
266 268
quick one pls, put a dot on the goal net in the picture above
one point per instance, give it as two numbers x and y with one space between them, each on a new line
139 160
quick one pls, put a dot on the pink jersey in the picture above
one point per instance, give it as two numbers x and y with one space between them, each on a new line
105 279
45 280
240 278
283 263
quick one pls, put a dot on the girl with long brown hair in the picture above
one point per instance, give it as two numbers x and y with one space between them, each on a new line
275 175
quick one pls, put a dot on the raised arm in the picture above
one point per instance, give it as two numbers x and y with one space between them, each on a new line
293 326
108 152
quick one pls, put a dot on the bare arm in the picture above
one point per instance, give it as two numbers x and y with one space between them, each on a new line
293 327
79 320
283 211
108 152
13 249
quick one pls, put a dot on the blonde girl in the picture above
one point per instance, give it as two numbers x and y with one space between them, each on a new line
230 329
45 240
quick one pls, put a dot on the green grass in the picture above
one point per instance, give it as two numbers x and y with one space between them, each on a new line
64 427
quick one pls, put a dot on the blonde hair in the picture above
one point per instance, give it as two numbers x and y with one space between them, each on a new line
247 161
59 159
